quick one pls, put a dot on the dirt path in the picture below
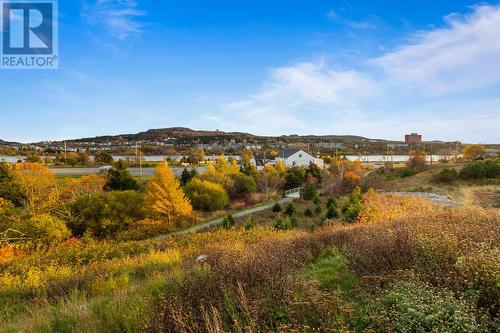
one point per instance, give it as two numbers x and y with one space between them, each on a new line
218 221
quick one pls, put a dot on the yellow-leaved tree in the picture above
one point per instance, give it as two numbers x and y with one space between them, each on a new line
234 167
38 187
165 196
221 164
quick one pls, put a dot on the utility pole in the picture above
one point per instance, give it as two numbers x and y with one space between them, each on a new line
140 165
136 149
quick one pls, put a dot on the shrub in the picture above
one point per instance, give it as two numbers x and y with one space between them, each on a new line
228 222
413 306
309 192
353 206
106 214
283 223
318 210
290 210
481 169
47 229
277 208
242 184
308 212
408 172
206 196
250 224
446 176
143 229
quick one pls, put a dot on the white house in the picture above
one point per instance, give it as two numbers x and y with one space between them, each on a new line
298 157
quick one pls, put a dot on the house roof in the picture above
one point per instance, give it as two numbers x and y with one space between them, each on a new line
286 153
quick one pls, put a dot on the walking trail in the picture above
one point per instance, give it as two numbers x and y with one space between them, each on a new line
218 221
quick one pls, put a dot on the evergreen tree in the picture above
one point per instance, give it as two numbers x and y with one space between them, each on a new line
277 208
187 175
120 178
290 210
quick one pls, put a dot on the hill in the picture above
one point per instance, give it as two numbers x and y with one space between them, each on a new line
187 134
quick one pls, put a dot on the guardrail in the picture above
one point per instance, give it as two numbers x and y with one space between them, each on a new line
293 191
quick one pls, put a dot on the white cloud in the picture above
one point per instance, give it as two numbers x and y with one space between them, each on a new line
414 87
463 56
118 17
294 94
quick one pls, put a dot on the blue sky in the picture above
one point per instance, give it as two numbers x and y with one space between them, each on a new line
372 68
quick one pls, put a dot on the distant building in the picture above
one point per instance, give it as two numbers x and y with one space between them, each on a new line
331 144
413 138
298 157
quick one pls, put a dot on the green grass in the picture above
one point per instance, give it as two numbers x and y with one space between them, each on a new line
332 273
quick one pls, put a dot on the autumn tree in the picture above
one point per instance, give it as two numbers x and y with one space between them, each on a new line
73 188
9 187
233 167
37 186
417 160
196 156
214 175
270 180
165 196
344 175
103 157
474 152
246 157
221 164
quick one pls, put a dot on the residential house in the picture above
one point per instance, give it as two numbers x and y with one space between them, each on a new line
298 157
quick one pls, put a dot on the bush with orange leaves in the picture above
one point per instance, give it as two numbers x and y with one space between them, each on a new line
72 188
350 180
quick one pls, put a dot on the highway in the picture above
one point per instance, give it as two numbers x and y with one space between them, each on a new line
146 172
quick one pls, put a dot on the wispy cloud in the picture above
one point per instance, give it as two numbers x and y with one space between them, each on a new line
446 75
461 57
119 18
365 24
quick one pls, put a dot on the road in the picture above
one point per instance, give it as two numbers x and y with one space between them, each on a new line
218 221
146 172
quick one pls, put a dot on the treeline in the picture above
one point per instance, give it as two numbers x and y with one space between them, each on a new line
475 170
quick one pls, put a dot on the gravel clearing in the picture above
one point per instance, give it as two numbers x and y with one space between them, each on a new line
436 197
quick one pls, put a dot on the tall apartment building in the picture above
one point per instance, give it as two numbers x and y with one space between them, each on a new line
413 138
